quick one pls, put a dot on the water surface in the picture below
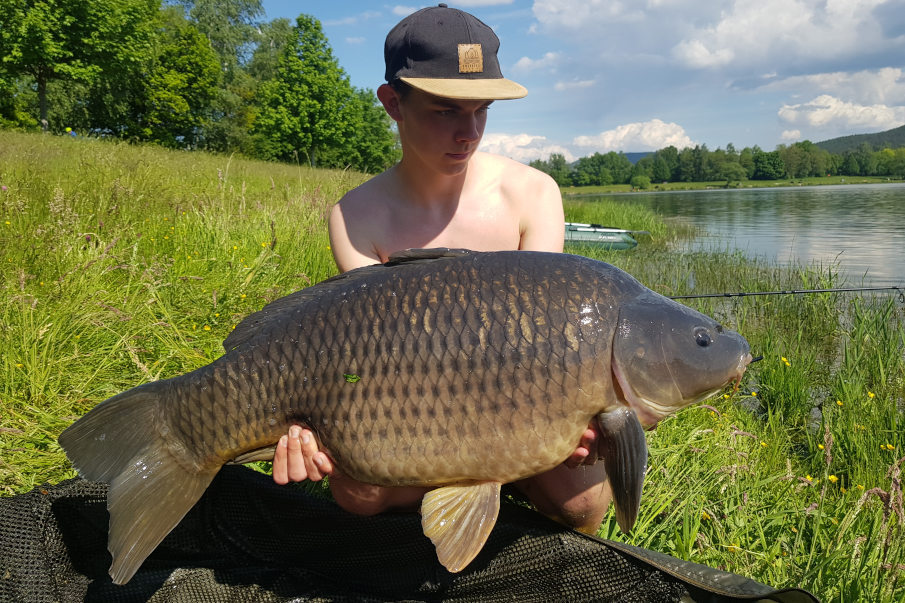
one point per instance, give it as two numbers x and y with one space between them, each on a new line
859 229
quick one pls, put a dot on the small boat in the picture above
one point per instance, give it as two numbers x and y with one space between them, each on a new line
606 237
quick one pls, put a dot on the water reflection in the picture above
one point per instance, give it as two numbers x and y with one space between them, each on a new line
858 228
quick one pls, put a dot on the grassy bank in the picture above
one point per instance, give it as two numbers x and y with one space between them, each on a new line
122 264
577 191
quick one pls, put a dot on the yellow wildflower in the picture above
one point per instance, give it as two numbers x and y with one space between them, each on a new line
861 486
838 402
207 328
871 394
833 479
242 296
820 446
754 394
705 516
843 490
763 444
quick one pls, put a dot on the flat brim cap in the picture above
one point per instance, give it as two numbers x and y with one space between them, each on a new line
449 53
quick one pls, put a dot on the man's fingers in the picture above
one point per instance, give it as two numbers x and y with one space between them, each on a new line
280 475
300 452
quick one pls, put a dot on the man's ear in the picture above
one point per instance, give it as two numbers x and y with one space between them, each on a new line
390 100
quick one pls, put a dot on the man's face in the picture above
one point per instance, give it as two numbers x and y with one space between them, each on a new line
442 132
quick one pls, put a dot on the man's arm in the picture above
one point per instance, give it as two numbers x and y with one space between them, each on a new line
542 222
349 240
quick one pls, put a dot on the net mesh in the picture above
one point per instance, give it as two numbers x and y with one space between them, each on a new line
283 544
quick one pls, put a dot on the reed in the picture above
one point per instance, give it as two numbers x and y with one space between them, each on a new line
120 264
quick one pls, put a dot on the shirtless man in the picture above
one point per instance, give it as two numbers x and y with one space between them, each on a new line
443 75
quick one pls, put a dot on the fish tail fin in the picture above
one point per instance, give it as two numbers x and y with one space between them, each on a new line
122 442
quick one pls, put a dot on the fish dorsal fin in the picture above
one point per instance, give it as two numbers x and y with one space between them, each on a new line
458 520
624 449
416 255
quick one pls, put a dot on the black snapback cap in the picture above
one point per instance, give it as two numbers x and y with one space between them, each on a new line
450 53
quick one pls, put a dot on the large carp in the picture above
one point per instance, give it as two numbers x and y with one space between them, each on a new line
446 368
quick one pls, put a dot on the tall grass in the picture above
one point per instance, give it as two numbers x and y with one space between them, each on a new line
123 264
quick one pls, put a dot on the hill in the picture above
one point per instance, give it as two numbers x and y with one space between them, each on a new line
892 139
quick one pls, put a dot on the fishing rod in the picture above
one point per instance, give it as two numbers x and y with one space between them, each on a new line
901 291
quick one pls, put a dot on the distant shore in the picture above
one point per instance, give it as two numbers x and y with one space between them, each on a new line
575 191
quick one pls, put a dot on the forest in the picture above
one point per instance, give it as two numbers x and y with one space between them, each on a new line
699 164
188 74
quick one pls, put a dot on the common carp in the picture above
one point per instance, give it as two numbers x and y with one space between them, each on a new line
448 368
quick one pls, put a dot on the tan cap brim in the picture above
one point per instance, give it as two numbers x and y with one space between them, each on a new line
468 89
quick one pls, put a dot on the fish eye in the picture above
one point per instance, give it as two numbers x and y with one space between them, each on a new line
702 337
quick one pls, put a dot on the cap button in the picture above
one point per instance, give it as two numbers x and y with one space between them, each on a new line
442 5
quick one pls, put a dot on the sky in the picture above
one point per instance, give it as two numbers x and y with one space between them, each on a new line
639 75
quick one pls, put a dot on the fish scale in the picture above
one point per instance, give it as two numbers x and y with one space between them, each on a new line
444 368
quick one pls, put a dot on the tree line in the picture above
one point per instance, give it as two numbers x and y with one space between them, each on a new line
699 164
188 74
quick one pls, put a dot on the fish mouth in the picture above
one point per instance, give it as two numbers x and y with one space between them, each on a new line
649 412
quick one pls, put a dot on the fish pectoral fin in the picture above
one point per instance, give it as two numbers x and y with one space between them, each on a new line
259 454
458 520
624 449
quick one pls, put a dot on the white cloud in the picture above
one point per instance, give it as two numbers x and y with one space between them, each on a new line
694 53
826 110
561 86
800 31
358 40
643 136
578 14
881 86
403 11
523 147
547 62
791 135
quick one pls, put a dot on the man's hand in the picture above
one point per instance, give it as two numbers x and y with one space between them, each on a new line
297 458
586 453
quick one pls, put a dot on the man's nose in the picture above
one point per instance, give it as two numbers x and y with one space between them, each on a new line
469 129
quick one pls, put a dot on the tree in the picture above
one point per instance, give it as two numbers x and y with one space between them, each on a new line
232 29
74 41
182 82
768 166
310 111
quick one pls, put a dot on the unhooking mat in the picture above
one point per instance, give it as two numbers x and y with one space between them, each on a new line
250 540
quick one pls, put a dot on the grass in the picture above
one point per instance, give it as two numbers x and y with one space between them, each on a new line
121 264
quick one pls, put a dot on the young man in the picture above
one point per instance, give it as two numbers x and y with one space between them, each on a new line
443 74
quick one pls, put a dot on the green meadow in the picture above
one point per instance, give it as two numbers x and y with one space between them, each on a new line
122 264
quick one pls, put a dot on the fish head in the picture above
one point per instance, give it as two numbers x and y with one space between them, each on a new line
667 356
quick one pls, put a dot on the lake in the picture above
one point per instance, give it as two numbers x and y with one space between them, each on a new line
858 228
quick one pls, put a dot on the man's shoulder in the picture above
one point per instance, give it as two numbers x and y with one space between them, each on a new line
512 172
369 194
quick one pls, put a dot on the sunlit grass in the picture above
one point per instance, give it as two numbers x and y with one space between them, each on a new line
123 264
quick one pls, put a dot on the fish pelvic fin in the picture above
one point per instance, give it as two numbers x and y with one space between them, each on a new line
122 442
624 450
458 520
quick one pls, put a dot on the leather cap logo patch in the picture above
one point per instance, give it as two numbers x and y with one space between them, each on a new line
471 59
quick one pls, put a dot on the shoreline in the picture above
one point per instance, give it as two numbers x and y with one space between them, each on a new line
620 189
